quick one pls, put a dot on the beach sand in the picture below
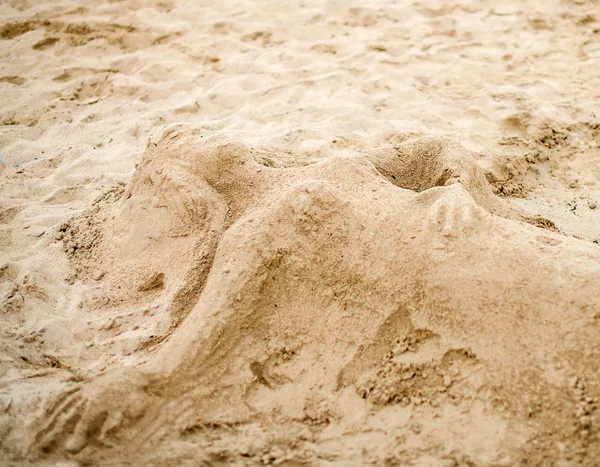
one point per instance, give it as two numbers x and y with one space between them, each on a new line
308 233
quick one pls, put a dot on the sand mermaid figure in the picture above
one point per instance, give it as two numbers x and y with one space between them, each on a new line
291 281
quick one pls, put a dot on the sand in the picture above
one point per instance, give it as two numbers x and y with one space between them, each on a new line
326 233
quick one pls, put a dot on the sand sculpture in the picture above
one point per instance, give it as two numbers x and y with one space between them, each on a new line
392 277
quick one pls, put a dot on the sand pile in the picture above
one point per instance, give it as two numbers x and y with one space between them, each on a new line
281 311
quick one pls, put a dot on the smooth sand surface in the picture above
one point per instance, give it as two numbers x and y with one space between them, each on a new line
308 233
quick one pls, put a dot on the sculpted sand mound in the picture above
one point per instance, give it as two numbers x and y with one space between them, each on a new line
381 299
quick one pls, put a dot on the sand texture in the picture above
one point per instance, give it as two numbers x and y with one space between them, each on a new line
308 233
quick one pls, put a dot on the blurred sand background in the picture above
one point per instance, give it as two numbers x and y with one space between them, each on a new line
83 85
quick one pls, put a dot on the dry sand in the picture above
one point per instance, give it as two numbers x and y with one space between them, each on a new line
372 240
